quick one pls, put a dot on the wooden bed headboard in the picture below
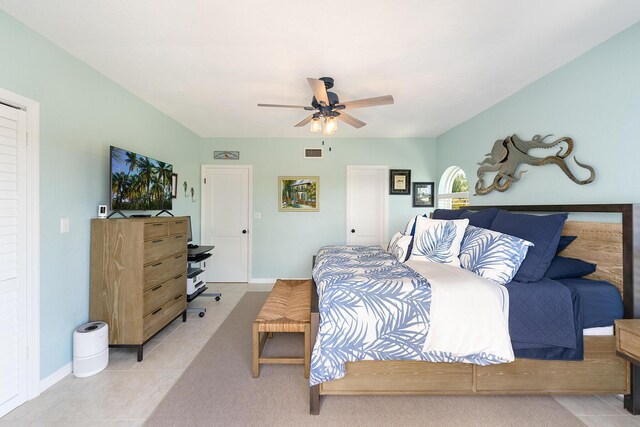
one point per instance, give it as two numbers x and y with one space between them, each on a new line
614 247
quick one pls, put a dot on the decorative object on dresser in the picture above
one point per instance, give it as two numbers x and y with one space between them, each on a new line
509 153
138 276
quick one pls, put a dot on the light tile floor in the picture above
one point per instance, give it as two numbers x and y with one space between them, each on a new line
127 392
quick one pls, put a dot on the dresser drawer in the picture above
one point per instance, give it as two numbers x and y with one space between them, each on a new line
158 318
164 269
155 229
163 292
156 249
178 226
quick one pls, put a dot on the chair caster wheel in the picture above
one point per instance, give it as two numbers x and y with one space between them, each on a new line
217 298
201 314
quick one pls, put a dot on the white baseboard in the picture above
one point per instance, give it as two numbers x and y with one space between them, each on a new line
261 280
56 376
254 280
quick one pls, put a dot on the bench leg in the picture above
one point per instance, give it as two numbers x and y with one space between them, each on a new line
256 351
307 349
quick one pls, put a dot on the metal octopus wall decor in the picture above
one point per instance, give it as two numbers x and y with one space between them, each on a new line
509 153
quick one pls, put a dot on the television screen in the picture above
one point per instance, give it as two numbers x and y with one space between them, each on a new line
139 182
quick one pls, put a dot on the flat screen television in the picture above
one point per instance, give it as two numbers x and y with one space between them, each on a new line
139 183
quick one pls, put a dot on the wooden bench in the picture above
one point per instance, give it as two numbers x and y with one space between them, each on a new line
287 309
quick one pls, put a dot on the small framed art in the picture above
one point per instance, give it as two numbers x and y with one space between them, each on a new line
298 193
174 185
400 181
226 155
423 194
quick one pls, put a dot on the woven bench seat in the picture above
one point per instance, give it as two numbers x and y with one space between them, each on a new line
287 309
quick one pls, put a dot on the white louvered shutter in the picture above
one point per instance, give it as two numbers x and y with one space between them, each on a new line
13 340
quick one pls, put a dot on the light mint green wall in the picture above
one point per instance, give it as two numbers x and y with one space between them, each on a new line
284 242
595 100
81 114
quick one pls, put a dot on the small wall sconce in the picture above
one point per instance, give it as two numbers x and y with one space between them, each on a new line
186 193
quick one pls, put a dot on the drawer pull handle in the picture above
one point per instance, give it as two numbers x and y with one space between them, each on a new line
156 288
180 236
178 276
156 241
178 297
157 310
155 265
178 256
157 224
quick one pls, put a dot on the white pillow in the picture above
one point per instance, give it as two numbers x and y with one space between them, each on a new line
438 240
409 227
399 246
492 255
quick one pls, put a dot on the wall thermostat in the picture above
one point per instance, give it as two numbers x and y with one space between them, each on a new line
102 211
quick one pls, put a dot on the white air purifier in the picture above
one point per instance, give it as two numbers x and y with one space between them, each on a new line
90 349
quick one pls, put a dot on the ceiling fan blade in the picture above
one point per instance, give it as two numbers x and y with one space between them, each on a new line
283 106
350 120
319 90
368 102
304 122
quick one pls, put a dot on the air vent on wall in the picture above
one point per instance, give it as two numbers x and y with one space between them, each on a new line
312 153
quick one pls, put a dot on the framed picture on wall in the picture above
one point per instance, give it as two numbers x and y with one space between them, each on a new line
423 194
400 181
174 185
298 193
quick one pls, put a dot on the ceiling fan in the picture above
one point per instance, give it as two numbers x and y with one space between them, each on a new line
328 107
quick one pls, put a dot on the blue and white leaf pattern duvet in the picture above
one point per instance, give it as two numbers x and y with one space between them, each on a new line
372 307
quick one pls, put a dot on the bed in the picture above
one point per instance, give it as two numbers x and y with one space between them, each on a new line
599 370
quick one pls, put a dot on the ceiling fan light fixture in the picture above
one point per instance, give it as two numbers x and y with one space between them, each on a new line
330 125
316 125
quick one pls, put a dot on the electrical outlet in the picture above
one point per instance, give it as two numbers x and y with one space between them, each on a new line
257 215
64 225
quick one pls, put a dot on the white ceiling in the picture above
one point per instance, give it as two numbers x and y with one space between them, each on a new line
208 63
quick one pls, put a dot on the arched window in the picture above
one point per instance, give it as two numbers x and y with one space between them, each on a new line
453 190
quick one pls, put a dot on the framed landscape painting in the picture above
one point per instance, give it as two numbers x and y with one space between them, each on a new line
423 194
298 193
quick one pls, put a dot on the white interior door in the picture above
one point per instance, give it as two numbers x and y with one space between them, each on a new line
226 222
367 190
13 299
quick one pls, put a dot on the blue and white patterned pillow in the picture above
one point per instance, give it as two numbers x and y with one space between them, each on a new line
491 254
438 240
399 246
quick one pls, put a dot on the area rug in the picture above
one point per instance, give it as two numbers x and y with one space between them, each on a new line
217 389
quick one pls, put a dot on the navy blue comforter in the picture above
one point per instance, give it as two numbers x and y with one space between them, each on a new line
545 320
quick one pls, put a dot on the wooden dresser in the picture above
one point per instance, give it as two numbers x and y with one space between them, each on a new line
138 276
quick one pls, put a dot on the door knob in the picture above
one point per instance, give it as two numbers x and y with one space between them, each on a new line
353 230
244 231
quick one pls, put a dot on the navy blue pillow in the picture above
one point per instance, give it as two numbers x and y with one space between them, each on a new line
482 218
448 213
564 242
543 231
567 268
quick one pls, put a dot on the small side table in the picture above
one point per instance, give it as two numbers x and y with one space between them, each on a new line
628 339
628 347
